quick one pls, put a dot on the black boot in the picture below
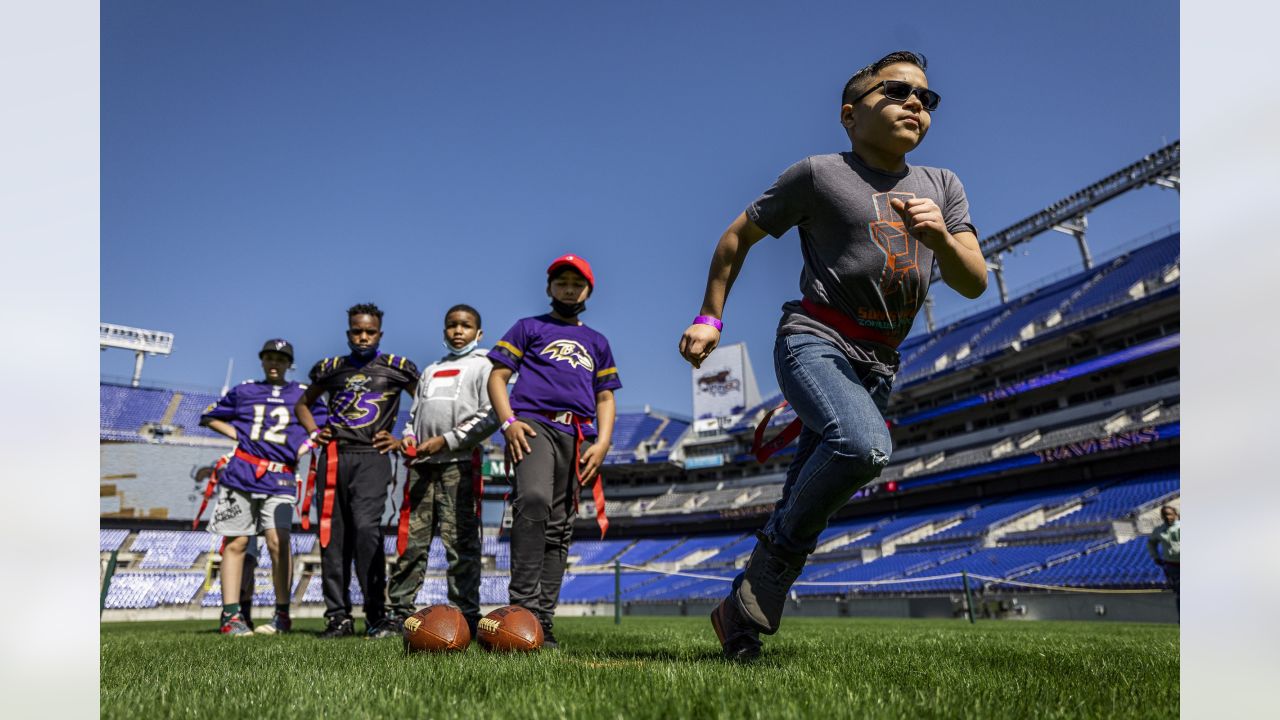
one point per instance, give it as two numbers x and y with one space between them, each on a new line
739 639
548 637
761 594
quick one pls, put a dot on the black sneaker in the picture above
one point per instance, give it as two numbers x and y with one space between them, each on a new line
549 639
338 629
739 639
384 628
473 624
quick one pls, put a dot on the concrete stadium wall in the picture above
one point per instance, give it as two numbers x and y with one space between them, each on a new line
1155 607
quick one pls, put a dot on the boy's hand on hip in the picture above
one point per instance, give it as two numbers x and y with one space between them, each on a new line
384 442
697 343
922 219
591 460
432 446
517 435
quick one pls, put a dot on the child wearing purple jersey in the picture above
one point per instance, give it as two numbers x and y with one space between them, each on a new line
256 486
558 424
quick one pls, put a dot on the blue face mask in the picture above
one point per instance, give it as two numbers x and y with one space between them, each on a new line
360 353
459 352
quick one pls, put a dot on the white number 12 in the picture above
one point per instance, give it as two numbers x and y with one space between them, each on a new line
275 433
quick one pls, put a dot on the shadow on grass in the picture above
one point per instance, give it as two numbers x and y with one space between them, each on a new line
645 655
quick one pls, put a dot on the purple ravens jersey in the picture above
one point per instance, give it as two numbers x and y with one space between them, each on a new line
363 399
266 428
562 366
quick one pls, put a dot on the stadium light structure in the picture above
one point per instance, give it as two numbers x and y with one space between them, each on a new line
141 342
1069 215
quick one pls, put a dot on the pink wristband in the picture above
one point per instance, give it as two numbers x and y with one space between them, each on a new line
508 422
708 320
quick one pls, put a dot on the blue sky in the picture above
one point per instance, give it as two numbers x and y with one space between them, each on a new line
266 165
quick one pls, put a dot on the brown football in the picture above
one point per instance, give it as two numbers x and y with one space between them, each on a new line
510 629
438 628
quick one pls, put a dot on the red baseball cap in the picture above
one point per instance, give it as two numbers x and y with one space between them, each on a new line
577 263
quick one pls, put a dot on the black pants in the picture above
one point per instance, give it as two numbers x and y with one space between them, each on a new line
542 510
355 533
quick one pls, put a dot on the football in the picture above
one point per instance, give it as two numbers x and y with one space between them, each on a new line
438 628
510 629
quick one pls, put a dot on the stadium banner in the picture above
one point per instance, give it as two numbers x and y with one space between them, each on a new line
1116 441
697 462
1142 436
725 384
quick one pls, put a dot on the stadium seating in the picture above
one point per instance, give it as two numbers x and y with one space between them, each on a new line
299 544
989 515
1067 302
264 594
647 549
135 590
730 553
173 548
999 562
698 544
111 540
1118 500
123 410
1127 565
596 552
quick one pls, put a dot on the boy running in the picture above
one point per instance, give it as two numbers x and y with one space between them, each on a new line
451 416
562 402
871 228
256 487
363 398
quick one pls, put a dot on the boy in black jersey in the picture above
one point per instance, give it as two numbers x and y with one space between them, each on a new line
363 390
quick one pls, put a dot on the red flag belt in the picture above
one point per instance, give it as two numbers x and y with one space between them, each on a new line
764 450
846 325
597 484
326 501
402 528
208 490
262 467
330 491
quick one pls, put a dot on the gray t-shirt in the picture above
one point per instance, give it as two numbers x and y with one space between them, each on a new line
857 258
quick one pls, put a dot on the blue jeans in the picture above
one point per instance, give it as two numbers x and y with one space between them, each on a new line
844 444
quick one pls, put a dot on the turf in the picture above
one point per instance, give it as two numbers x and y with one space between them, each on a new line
654 668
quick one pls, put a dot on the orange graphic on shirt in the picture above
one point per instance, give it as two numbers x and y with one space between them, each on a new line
901 273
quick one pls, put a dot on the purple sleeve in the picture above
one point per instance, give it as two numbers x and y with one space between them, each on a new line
606 368
787 203
224 409
509 351
320 412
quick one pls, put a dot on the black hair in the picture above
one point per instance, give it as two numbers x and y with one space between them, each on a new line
463 307
364 309
856 83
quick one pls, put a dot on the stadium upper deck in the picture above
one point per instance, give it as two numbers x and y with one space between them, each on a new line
1047 384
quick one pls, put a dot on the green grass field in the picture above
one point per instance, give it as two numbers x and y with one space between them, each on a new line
654 668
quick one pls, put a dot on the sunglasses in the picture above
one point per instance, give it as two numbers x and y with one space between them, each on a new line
899 91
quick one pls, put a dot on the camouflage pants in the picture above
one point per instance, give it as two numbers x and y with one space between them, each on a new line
442 494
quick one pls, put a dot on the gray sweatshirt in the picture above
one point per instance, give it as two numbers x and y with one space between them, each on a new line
453 401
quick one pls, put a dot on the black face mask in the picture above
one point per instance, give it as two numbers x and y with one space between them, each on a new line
566 309
360 353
